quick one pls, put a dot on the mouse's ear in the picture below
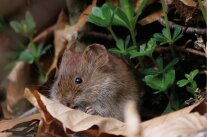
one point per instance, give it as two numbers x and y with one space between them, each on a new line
96 54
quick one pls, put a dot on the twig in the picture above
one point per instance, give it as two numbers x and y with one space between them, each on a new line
187 50
202 31
95 34
188 19
45 34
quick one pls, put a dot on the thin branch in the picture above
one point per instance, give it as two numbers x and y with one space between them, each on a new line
202 31
96 35
181 49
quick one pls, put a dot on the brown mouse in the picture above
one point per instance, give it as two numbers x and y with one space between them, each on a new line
95 82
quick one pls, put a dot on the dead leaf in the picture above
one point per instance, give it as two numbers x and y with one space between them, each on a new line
7 124
172 115
190 3
151 18
71 121
176 126
17 79
132 119
5 134
74 120
138 3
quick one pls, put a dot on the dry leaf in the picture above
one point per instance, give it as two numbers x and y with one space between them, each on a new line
138 3
151 18
132 119
5 134
172 115
176 126
74 120
7 124
190 3
57 115
15 87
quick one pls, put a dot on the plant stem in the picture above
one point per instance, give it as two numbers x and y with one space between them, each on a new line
135 44
40 71
203 11
167 27
113 34
133 37
153 60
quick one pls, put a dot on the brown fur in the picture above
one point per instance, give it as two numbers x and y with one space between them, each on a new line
107 82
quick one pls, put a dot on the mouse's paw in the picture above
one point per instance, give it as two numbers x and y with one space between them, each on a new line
90 110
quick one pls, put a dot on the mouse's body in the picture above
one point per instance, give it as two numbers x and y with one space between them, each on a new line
95 82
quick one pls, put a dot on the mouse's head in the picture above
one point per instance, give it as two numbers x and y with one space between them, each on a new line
82 76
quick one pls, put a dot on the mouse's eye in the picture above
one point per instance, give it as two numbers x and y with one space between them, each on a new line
78 80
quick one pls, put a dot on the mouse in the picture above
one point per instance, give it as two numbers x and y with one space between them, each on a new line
95 82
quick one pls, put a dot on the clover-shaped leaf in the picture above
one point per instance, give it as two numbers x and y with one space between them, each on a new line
162 82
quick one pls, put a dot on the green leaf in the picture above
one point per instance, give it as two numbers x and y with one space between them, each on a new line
164 33
177 33
45 49
182 83
128 8
97 21
26 57
120 19
115 51
160 82
160 38
96 17
159 63
127 41
40 49
179 36
135 18
108 11
173 105
193 73
191 89
141 7
193 86
171 64
150 71
30 20
24 27
16 26
33 50
120 45
135 53
188 77
41 78
133 47
102 16
150 47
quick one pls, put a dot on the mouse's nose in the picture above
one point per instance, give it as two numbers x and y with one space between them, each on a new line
74 106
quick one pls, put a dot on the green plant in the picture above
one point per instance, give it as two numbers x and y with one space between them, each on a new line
189 82
122 47
145 49
163 38
25 27
160 77
32 54
108 15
